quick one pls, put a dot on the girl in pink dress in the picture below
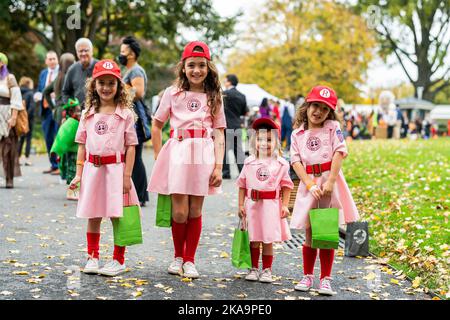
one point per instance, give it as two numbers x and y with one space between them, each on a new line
264 179
317 151
189 165
107 139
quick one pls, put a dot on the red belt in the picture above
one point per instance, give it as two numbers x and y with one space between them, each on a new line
318 168
260 195
188 133
101 160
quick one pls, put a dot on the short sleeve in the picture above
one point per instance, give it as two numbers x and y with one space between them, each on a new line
81 132
241 181
295 150
219 121
338 141
130 131
286 181
165 105
15 94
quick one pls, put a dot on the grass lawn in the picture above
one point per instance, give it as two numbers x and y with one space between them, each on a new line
402 189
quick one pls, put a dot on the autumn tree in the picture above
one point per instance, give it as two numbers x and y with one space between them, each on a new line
299 44
416 32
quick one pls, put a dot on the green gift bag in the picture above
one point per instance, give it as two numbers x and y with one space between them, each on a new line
324 228
128 230
240 250
164 211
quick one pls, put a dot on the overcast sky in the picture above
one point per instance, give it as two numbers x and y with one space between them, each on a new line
378 75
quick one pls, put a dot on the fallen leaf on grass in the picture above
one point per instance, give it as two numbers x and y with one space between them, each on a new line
242 295
21 273
223 254
6 293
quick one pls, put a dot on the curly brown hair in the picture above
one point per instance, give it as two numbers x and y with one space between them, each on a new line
301 116
122 97
211 84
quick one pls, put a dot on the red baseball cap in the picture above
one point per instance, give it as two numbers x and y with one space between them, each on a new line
105 67
323 94
189 50
258 123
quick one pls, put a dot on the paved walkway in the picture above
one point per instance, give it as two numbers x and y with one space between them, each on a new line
43 247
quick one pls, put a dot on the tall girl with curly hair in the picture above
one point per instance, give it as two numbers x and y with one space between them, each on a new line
189 165
107 138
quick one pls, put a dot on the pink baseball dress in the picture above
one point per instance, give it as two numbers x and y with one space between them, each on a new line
185 166
316 146
264 216
101 189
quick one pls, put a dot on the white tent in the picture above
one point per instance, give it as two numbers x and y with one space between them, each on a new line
440 112
254 94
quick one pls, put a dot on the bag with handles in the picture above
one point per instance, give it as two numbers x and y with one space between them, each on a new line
164 211
324 228
128 229
240 250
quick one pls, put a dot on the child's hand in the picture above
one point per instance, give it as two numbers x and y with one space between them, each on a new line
74 183
316 192
216 178
126 184
327 188
284 212
241 212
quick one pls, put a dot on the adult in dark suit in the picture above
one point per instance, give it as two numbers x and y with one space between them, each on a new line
49 125
235 106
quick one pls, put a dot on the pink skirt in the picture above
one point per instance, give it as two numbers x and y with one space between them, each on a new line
264 222
101 192
184 167
341 198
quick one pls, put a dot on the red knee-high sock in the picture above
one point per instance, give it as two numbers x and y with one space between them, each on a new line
267 261
119 254
193 231
309 259
179 238
326 262
255 252
93 240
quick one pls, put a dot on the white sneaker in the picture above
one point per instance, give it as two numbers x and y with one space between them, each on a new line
112 269
325 287
306 283
176 266
91 266
266 276
253 275
189 270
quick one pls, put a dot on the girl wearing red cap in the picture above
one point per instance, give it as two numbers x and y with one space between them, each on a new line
317 151
189 165
264 189
107 139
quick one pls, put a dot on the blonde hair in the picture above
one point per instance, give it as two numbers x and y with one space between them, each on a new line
26 82
301 116
122 98
211 84
252 142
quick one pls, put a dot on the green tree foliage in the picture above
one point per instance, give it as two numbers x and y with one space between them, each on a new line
416 32
157 23
300 44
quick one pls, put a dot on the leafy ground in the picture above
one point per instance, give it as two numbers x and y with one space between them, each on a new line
402 189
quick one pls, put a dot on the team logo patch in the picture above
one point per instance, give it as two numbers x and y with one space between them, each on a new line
262 174
340 135
325 93
313 143
101 127
193 105
108 65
